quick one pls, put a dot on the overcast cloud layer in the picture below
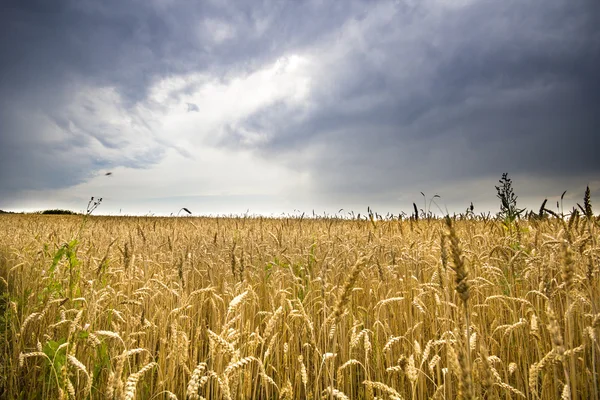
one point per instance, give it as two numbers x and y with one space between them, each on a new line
274 106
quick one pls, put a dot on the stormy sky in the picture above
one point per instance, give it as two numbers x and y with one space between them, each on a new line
276 106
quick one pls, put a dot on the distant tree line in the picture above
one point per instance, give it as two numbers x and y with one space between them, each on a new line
59 212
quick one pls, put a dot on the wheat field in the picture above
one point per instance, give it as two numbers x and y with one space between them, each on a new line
294 308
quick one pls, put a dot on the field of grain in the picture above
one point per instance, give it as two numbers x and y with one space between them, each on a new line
256 308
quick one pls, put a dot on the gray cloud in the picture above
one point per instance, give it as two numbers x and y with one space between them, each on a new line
129 45
405 95
449 96
191 107
49 51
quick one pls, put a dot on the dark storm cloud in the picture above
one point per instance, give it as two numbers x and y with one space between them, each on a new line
51 50
130 44
406 94
450 95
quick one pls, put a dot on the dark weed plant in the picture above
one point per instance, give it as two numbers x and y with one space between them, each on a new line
508 200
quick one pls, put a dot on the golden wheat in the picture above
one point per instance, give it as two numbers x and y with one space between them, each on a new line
289 308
